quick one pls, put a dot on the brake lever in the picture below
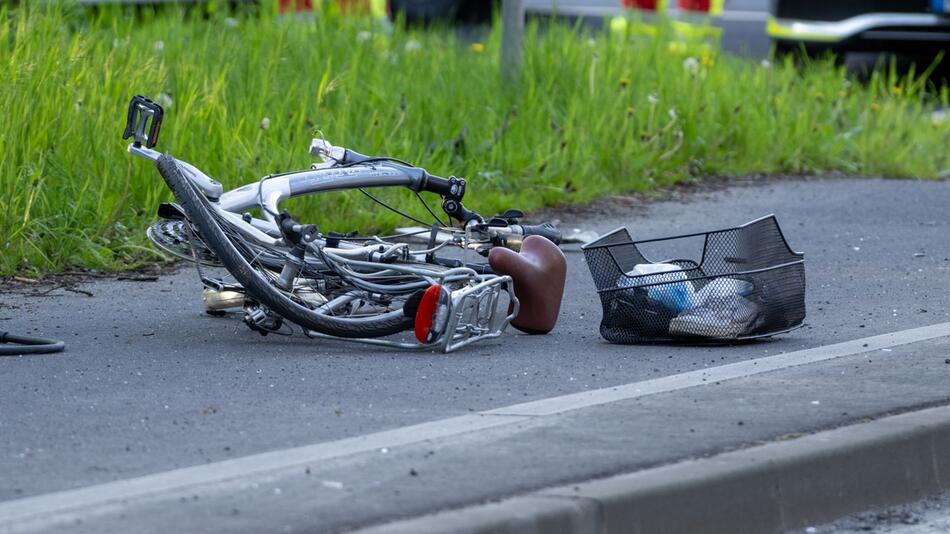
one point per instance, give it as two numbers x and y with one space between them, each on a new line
328 154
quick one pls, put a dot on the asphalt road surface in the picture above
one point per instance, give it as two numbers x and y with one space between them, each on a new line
150 383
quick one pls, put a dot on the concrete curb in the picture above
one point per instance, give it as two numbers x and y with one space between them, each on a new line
768 488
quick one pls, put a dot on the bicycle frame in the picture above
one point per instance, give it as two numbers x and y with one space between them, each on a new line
473 313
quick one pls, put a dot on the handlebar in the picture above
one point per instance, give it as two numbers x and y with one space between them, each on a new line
453 188
513 235
547 230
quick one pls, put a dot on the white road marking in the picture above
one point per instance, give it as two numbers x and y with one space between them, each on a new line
42 506
46 509
585 399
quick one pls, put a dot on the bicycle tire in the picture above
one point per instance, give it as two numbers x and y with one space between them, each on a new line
28 345
256 284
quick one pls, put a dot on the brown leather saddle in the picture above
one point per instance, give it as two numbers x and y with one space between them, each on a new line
539 273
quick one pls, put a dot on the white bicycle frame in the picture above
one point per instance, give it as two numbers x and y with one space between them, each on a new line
473 312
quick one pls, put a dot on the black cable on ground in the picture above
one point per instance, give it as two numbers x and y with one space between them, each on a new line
28 345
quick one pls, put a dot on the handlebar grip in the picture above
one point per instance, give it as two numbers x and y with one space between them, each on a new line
547 230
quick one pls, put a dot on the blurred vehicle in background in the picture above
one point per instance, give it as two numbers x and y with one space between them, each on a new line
913 26
429 10
413 10
709 7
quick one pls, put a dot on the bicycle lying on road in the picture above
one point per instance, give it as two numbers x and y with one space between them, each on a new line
363 288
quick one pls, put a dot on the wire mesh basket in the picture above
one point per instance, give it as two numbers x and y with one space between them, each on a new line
746 283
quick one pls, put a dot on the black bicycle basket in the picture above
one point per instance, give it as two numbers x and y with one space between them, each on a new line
747 283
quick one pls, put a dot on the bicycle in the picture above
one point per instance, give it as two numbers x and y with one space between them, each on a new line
364 288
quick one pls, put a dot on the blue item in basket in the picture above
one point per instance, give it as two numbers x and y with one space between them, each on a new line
675 296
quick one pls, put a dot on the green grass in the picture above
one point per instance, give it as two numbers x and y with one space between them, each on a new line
593 115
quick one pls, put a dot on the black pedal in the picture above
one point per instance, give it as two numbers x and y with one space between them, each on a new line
144 122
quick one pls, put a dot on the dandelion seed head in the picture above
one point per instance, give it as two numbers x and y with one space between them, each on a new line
691 65
165 100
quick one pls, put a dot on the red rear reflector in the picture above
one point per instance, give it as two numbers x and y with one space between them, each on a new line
649 5
428 305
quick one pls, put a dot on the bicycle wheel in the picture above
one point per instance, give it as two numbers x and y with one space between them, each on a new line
259 286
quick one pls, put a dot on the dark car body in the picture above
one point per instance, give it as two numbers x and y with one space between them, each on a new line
429 10
861 25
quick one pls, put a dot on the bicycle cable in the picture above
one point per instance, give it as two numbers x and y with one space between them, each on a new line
418 196
28 345
426 204
394 210
260 188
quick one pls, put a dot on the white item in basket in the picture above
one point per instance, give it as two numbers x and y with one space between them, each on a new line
721 287
675 296
722 317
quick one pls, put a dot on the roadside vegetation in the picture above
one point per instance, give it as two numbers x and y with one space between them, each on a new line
593 115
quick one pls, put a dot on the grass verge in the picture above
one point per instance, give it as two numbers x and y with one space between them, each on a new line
593 114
